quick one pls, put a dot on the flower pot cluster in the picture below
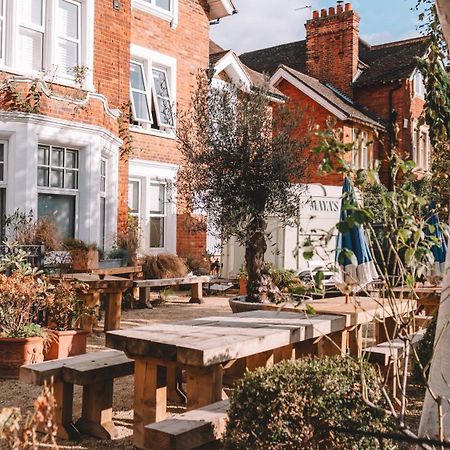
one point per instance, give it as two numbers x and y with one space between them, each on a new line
38 321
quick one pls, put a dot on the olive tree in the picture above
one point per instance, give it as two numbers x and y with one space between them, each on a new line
243 162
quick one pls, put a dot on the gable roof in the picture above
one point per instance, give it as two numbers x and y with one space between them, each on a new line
385 62
328 97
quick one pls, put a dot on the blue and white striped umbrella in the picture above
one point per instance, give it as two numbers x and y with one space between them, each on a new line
355 266
439 249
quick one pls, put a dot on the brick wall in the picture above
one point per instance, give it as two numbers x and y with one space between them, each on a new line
332 46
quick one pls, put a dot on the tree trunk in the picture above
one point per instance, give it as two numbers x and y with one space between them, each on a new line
439 371
435 419
260 287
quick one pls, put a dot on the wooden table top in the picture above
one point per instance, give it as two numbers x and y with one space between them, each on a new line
97 281
361 310
213 340
117 270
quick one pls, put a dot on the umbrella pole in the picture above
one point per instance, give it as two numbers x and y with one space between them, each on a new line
346 298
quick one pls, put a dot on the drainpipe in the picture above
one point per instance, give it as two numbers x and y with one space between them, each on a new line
391 128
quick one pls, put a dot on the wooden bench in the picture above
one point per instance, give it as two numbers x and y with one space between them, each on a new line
144 287
94 371
387 356
192 430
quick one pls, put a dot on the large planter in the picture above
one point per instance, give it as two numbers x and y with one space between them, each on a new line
15 352
83 260
66 343
243 285
111 263
240 305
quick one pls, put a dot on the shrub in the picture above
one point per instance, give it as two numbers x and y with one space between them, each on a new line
424 354
77 244
198 265
164 266
22 298
292 405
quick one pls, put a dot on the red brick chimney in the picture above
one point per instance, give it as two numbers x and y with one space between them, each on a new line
332 46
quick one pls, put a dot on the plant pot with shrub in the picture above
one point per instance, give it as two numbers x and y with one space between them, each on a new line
64 313
84 256
23 297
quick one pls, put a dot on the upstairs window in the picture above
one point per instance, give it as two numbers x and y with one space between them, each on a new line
31 34
152 100
166 5
421 148
419 87
163 9
51 36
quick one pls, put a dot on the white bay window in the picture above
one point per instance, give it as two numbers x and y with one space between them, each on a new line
153 91
50 36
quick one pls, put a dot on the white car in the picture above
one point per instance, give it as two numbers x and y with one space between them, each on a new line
328 284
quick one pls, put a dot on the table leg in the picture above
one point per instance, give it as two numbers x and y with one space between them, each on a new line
264 359
203 386
234 372
355 341
385 329
96 415
150 397
90 300
113 309
63 393
197 293
332 344
144 295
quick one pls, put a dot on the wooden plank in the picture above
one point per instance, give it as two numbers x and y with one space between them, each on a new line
203 386
150 398
197 293
63 393
113 311
332 344
96 415
117 270
283 354
190 430
97 370
263 359
39 373
172 281
355 341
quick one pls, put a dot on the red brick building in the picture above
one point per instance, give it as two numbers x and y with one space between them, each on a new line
375 93
71 72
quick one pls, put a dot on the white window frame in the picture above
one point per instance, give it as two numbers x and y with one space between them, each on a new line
78 41
147 92
10 62
155 60
418 84
156 96
58 190
3 31
150 7
421 151
4 182
163 215
139 184
362 149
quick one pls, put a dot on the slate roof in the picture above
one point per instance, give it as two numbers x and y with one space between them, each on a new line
385 62
350 109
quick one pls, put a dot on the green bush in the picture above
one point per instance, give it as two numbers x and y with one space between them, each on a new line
292 405
424 354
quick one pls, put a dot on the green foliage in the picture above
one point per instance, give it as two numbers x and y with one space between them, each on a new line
295 405
424 350
29 330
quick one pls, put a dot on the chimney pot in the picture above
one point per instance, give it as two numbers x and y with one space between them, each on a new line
340 9
331 11
323 13
348 7
315 14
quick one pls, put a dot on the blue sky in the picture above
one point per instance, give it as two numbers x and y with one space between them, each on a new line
263 23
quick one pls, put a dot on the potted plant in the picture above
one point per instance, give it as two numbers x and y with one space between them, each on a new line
23 297
84 256
64 312
117 257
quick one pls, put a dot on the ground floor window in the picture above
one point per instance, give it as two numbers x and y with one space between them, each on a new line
157 214
362 149
61 209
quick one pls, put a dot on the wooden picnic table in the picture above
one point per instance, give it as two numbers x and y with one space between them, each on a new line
130 271
205 347
428 297
196 283
110 285
362 310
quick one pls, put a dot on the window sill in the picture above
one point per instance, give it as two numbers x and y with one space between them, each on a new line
59 80
153 132
154 10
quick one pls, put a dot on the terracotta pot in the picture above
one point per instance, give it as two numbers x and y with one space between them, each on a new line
243 285
66 343
15 352
83 260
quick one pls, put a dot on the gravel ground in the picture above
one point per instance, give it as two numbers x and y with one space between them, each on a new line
15 393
